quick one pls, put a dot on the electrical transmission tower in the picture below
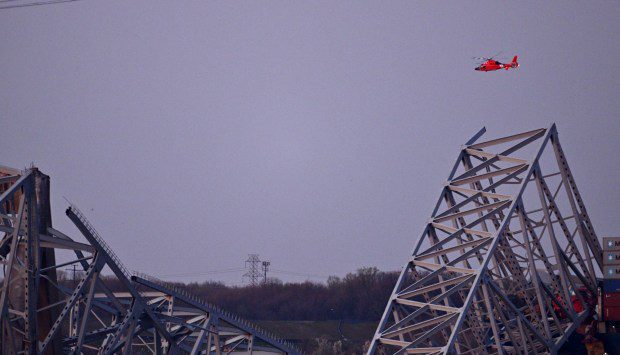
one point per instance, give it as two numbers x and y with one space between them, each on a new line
142 315
508 244
253 265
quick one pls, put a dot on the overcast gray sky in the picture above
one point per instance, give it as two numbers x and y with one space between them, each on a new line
316 134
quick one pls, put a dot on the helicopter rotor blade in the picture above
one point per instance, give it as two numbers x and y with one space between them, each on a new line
495 55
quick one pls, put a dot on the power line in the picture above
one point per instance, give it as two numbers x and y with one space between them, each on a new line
261 269
293 273
38 3
210 272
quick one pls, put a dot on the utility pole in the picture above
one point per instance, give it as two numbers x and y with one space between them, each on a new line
74 269
265 269
253 273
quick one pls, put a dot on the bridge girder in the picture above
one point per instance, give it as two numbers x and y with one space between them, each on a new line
505 253
113 312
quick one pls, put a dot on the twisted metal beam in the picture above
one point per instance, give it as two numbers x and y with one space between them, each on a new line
508 248
102 313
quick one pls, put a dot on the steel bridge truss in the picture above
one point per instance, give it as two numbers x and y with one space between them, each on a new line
114 312
508 248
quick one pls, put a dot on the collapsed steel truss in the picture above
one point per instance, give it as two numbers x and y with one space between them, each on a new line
508 248
101 313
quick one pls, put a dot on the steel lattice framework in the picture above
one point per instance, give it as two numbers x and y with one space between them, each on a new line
107 313
508 244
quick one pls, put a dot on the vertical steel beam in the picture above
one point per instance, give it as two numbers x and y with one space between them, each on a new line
197 348
87 308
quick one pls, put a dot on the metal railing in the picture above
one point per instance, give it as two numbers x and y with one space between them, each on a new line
100 240
221 313
261 333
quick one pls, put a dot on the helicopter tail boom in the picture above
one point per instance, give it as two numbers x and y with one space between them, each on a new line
514 63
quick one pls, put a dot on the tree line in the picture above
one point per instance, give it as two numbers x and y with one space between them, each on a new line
359 296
